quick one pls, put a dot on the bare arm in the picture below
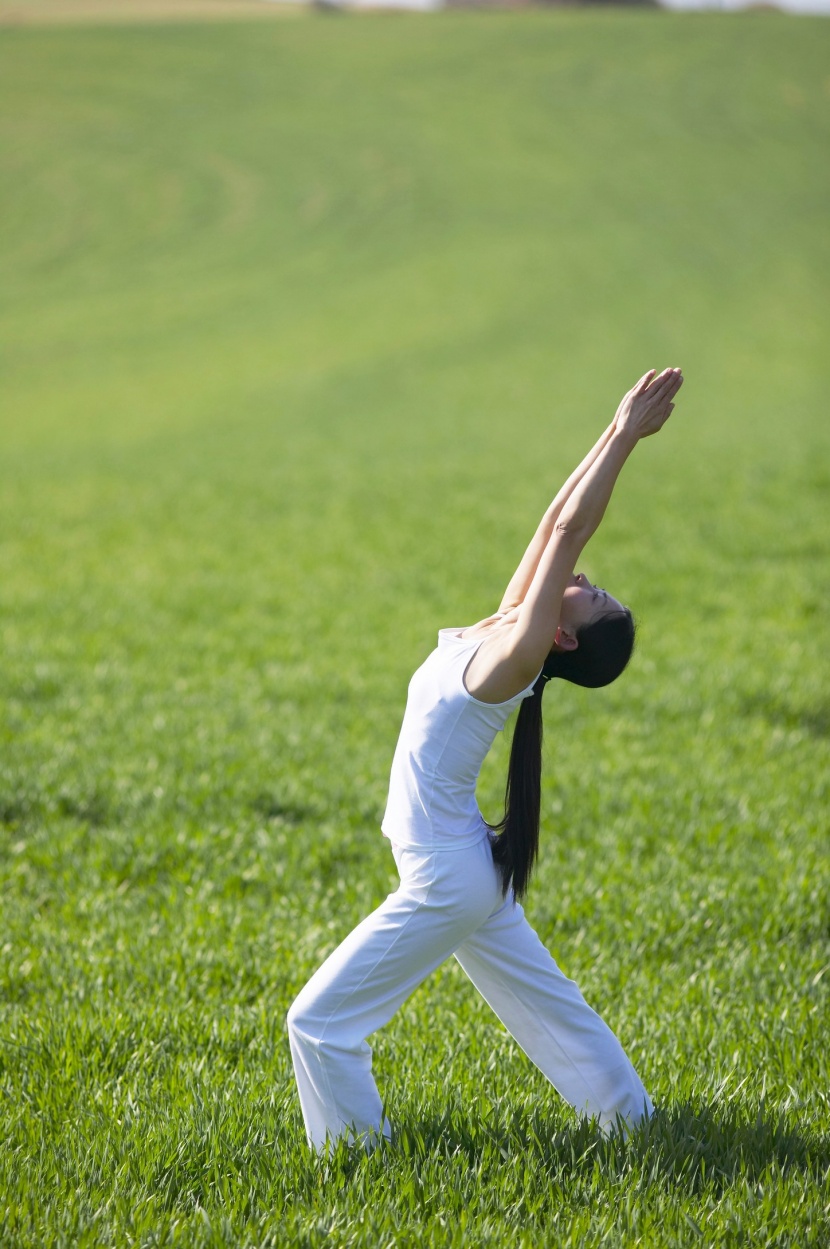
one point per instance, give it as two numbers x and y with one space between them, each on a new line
523 576
510 658
535 630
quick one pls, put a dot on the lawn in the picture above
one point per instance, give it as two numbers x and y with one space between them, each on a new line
302 323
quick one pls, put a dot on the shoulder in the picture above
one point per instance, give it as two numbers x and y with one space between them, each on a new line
499 669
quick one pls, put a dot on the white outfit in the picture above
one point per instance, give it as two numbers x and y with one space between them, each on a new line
449 901
444 738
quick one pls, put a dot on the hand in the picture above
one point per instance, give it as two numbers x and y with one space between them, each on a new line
648 405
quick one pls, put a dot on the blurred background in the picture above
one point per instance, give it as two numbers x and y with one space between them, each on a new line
25 11
304 321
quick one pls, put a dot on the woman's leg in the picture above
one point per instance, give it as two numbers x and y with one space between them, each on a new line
442 898
550 1019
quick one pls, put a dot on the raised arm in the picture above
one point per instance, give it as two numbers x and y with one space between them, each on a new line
510 658
522 577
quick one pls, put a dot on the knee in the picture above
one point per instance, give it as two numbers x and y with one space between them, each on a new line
300 1017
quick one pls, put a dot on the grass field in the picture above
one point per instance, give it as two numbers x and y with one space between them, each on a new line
106 12
302 324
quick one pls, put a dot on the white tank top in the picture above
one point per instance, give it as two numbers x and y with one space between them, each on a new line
445 736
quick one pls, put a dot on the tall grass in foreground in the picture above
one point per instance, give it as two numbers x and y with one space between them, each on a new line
301 326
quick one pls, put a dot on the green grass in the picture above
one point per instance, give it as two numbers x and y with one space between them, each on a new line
301 326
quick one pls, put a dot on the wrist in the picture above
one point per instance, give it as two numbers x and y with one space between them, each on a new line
624 437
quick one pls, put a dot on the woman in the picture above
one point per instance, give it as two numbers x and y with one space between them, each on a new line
460 883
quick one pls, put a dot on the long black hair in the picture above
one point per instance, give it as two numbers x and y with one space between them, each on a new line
604 649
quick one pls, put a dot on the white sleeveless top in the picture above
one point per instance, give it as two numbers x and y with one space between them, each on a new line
445 736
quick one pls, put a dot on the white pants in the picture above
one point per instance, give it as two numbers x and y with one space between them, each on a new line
448 902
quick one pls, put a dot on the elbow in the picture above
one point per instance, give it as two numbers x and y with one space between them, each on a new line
568 529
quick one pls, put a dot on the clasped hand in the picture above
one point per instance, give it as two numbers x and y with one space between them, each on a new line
648 405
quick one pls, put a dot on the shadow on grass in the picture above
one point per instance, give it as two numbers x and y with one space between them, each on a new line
685 1146
692 1144
814 720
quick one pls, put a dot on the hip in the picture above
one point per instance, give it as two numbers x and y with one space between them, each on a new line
459 877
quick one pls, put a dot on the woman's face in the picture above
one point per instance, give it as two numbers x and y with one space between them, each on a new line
583 603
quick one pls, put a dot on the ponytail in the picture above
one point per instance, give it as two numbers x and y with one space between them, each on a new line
516 846
604 649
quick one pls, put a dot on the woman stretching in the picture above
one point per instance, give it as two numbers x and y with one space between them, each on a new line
461 881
